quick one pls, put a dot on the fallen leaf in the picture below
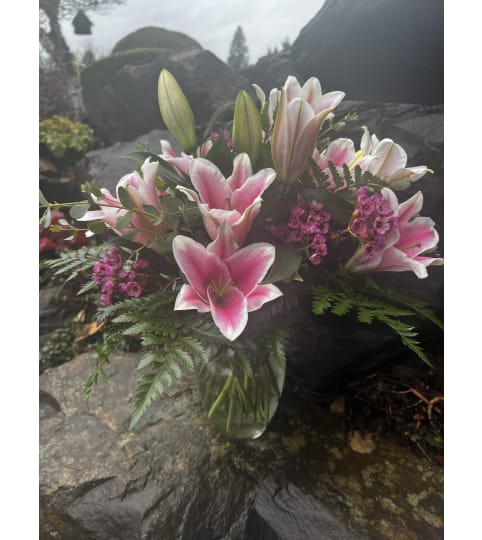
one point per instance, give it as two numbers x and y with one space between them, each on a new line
337 406
88 329
362 443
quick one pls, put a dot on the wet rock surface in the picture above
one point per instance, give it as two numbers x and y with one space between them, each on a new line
173 477
106 166
127 105
375 50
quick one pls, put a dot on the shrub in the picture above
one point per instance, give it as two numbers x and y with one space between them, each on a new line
159 38
94 77
60 134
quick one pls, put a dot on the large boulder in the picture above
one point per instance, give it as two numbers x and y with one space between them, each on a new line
121 95
156 38
106 166
172 477
271 71
375 50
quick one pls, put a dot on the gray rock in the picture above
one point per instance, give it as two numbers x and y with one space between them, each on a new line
173 478
106 166
128 105
271 71
375 50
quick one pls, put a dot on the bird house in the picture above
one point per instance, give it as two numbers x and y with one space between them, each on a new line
81 24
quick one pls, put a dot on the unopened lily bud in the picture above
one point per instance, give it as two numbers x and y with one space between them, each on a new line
176 111
246 127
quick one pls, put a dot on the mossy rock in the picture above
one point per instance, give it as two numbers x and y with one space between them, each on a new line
94 77
158 38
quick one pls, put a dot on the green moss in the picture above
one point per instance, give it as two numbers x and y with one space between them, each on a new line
100 73
159 38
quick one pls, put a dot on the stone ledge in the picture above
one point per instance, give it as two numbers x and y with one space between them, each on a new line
173 478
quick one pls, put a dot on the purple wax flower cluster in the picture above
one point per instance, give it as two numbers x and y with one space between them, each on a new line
373 219
116 276
215 135
307 227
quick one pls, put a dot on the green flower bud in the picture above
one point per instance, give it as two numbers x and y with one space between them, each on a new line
247 127
176 111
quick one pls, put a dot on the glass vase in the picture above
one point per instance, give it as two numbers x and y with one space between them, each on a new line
240 394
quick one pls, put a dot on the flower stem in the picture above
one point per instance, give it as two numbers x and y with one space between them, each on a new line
221 396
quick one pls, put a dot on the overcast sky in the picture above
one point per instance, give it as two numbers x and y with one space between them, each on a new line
266 23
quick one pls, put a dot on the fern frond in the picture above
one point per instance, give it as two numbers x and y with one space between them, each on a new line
369 309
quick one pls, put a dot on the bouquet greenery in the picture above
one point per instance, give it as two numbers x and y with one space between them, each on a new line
205 254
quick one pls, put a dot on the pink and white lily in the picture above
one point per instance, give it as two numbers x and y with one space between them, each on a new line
181 163
142 191
223 280
310 93
235 200
300 114
387 160
404 249
340 152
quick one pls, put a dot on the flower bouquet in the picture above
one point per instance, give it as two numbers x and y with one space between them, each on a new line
209 256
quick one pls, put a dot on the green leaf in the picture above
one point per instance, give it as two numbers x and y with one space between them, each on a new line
285 266
400 185
123 222
43 201
151 210
77 212
125 198
218 113
221 156
97 227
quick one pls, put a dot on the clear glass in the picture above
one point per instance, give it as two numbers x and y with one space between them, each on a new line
240 397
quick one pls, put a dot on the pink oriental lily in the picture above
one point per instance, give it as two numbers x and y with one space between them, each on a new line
142 191
310 93
340 152
403 250
235 201
181 163
223 281
387 160
300 113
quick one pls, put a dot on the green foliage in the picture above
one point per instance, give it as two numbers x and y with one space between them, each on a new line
152 37
72 264
374 304
60 348
101 73
238 51
167 338
109 342
61 134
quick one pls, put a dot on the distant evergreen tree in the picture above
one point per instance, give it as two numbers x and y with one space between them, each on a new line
285 45
238 52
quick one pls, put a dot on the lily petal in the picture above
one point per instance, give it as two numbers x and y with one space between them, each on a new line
229 311
410 208
209 183
200 267
251 189
249 265
241 171
224 245
262 294
189 299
